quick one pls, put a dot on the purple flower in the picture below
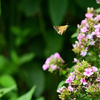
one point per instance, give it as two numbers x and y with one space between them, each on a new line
45 67
88 72
70 88
92 43
89 36
83 53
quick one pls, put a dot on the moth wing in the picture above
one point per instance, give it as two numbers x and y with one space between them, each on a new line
56 28
59 29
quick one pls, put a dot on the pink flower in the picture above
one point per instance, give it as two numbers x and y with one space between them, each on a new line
79 37
53 66
83 81
45 67
70 78
75 60
74 98
88 72
59 90
83 22
84 29
89 15
57 55
87 25
70 88
98 17
47 61
98 79
94 69
99 55
98 34
97 26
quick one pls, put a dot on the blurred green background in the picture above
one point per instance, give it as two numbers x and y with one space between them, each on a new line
27 38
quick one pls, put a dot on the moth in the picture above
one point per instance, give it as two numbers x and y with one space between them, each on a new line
61 29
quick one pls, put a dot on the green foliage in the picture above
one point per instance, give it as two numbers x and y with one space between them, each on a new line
28 95
7 80
75 34
34 75
3 91
41 98
61 84
58 10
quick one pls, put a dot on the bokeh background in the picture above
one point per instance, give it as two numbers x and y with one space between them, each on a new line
27 38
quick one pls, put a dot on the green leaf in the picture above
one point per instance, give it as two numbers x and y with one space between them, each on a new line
61 84
7 80
58 9
30 7
3 91
75 34
14 56
16 30
98 10
33 74
41 98
13 96
25 58
28 95
20 32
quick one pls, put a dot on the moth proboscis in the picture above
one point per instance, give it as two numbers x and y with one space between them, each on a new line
61 29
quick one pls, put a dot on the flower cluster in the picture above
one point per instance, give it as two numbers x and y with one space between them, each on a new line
84 78
53 62
84 81
89 33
